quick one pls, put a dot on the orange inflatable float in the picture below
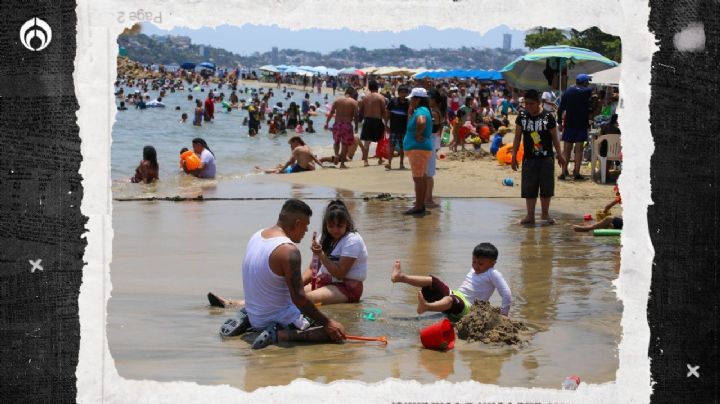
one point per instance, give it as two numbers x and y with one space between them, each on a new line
504 154
192 161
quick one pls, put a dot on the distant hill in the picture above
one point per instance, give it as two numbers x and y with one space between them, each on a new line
177 50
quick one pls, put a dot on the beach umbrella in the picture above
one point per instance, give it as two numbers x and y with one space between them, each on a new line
537 68
609 77
368 70
332 72
282 67
268 68
188 65
351 71
207 65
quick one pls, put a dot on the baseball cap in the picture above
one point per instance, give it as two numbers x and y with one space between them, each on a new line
418 92
583 78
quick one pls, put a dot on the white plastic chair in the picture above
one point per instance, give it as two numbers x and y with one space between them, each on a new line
613 152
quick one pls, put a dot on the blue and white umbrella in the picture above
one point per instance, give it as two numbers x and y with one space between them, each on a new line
536 69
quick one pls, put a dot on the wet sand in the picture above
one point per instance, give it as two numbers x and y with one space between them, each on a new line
167 256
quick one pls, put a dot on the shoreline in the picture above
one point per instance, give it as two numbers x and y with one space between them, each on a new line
464 178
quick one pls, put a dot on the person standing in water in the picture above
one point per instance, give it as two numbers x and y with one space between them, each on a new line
206 169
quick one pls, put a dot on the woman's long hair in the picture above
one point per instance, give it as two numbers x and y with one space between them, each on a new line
335 212
203 143
150 155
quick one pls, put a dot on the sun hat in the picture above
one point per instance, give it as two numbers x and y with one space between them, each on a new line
418 92
583 78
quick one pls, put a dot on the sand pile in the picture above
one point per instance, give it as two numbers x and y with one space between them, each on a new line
484 323
462 155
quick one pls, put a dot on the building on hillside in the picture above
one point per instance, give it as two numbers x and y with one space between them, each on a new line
275 58
507 41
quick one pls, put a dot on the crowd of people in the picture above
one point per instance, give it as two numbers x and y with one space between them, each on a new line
407 119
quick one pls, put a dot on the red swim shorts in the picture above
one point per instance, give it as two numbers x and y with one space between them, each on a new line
343 133
349 287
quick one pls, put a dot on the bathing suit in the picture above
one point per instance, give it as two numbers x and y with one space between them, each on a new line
343 133
349 287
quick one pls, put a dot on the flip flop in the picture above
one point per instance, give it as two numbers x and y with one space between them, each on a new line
267 336
414 211
235 326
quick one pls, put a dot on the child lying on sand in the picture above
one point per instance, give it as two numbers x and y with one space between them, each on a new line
479 284
608 222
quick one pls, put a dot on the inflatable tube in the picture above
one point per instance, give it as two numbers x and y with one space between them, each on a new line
192 161
504 154
225 104
606 232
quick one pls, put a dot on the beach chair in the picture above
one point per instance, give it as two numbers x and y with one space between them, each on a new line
605 147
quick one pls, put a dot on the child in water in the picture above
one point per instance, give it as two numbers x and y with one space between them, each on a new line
183 118
148 169
479 284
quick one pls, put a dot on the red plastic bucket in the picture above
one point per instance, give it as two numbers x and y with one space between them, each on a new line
439 336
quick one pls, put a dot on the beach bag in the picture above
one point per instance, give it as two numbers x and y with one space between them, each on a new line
382 150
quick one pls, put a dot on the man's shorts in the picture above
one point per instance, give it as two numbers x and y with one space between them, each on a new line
343 133
538 176
617 223
351 288
437 291
396 140
373 129
418 161
574 135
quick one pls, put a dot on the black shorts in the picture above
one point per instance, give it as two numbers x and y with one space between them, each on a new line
538 177
373 129
617 223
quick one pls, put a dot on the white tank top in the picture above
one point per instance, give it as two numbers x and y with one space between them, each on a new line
267 298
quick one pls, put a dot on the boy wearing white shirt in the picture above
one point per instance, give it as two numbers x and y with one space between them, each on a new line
479 284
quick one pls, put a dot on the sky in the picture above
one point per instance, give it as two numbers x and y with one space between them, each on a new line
243 40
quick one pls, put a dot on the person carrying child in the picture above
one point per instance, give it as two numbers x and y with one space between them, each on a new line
479 284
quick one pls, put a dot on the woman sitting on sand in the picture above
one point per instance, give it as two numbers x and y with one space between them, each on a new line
342 258
148 170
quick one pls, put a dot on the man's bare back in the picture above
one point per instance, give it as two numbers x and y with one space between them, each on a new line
304 157
373 106
346 109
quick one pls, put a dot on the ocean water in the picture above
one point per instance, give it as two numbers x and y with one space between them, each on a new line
236 153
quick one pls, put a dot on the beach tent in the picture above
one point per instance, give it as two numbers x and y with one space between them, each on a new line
188 65
351 71
609 77
269 68
207 65
537 68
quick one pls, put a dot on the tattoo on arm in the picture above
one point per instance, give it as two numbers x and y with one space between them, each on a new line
295 262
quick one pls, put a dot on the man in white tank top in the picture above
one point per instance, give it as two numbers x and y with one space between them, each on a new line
272 280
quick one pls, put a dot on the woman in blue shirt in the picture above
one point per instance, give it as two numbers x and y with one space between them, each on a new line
418 145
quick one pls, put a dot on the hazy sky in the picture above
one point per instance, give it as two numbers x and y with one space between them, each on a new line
247 39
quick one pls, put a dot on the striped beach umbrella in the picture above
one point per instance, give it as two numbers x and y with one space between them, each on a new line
536 69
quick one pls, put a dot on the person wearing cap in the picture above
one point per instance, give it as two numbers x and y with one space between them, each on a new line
574 122
418 145
537 129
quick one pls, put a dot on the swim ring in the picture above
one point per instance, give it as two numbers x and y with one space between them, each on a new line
192 161
504 154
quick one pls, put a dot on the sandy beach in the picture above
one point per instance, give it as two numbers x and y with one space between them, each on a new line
456 177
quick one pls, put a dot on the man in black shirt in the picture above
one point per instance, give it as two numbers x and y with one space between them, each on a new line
538 131
396 118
